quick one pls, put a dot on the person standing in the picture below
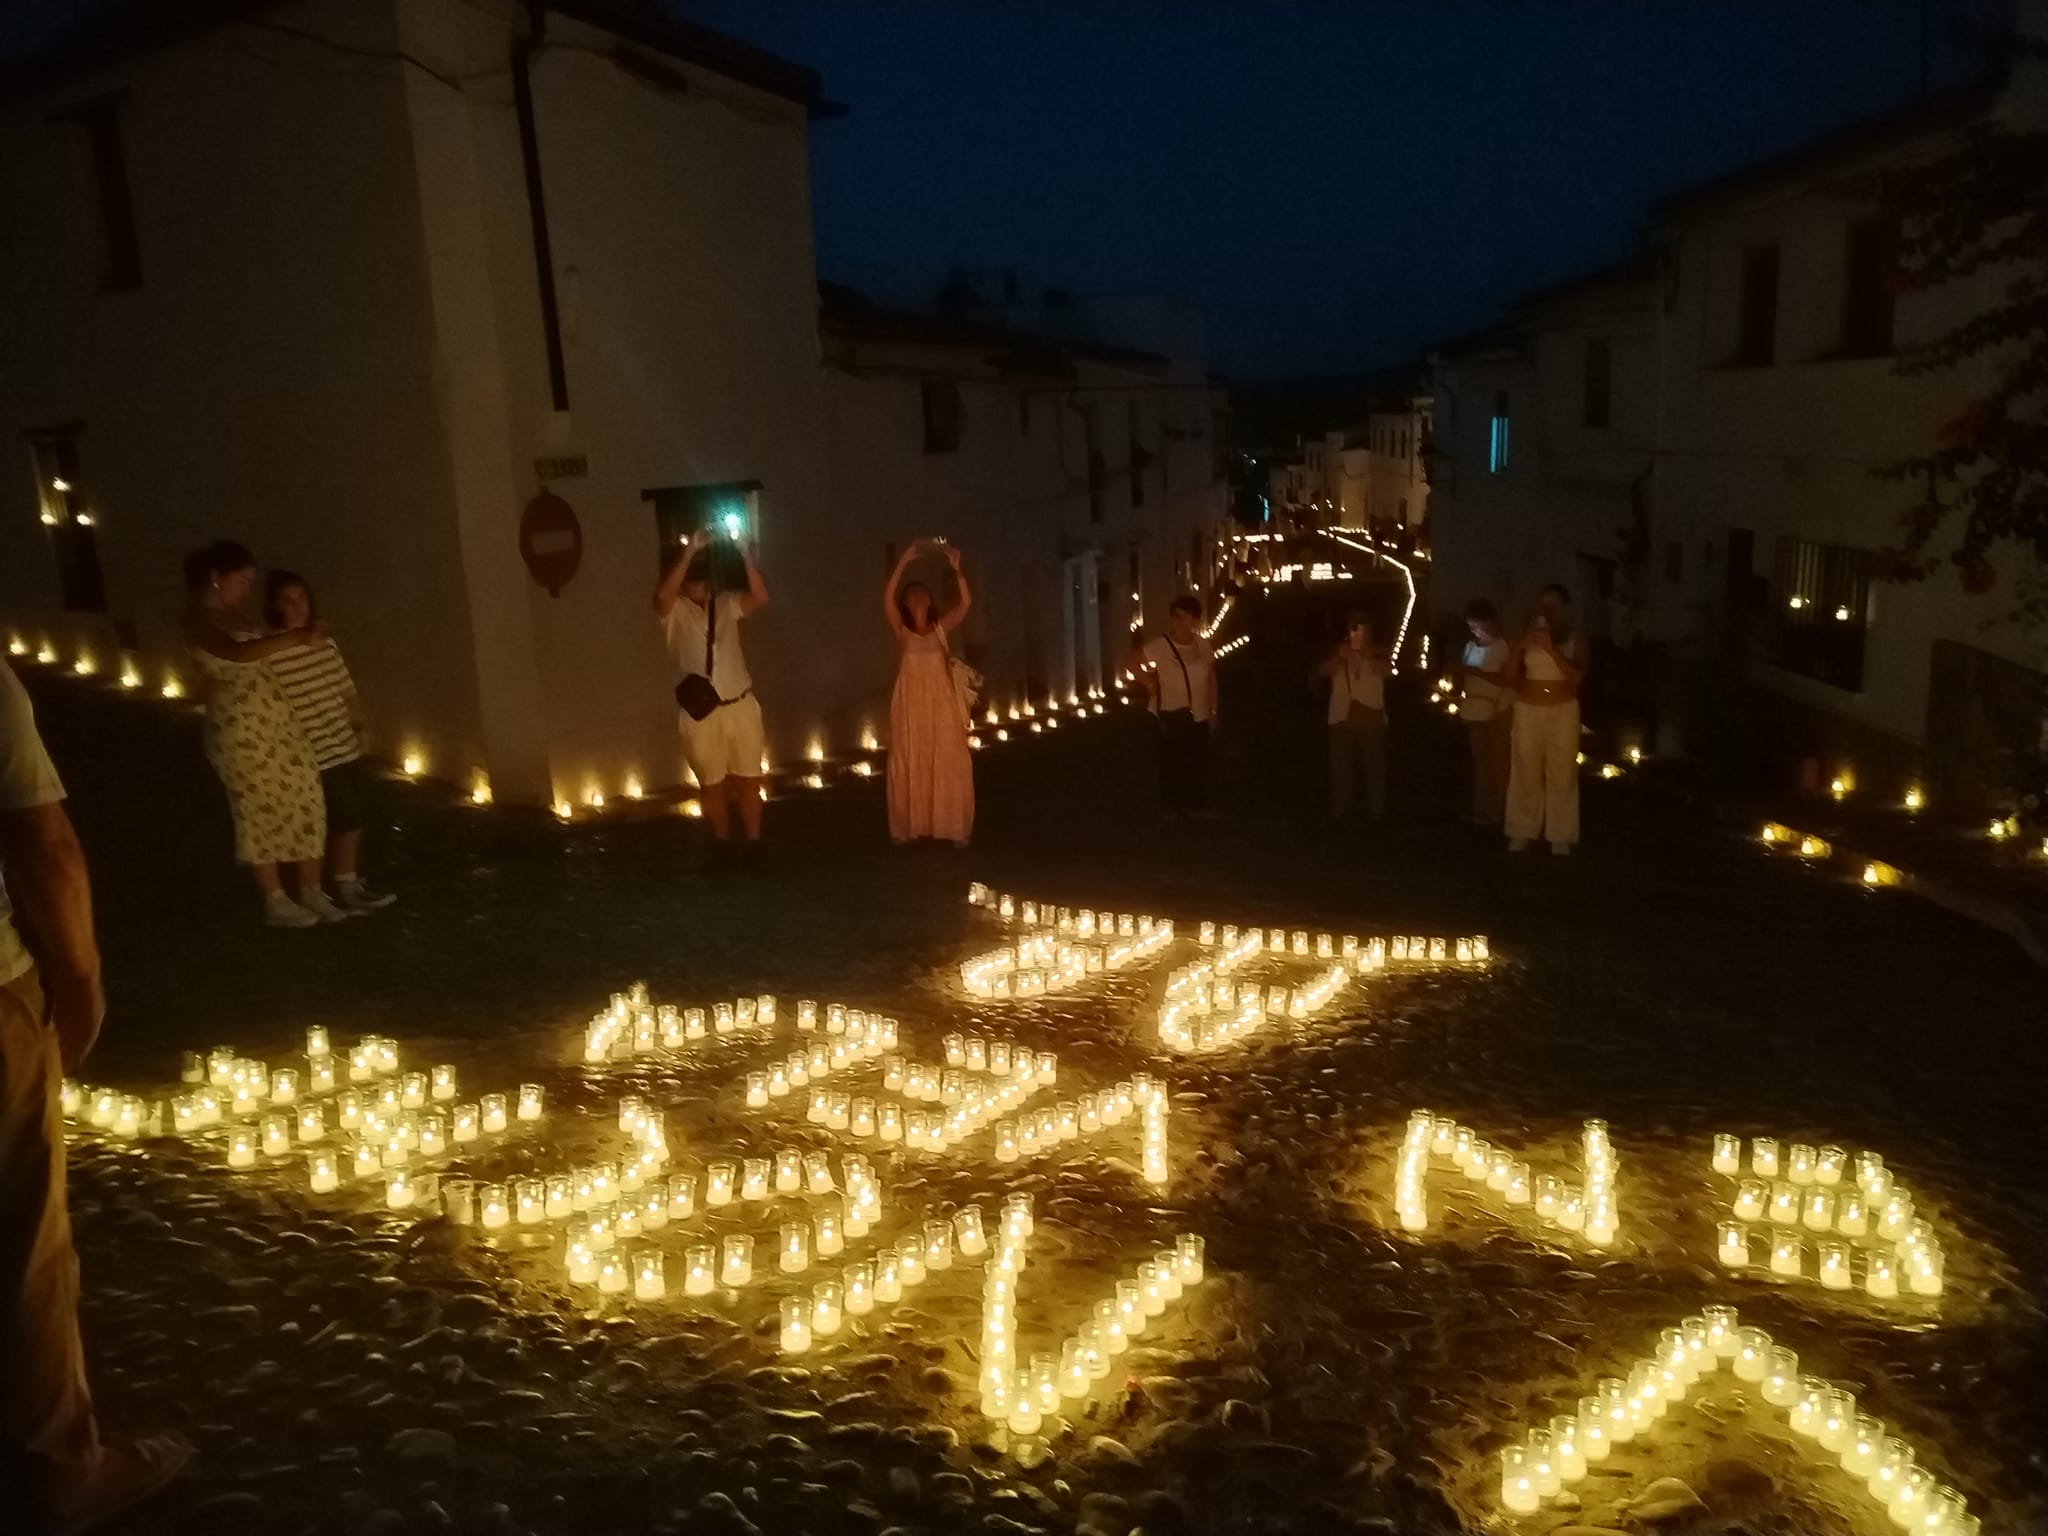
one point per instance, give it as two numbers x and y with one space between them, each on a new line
1546 670
931 769
323 696
1358 719
1487 709
254 740
56 1473
1179 673
726 744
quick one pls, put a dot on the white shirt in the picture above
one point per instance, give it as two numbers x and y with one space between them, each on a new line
686 629
1182 673
1357 680
27 779
1483 697
1538 666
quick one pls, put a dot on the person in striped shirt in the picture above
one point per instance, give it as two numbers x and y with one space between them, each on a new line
322 694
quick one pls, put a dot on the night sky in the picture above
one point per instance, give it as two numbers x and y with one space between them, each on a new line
1336 184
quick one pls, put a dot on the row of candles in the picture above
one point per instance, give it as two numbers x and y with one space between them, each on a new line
881 1280
1802 1188
1202 1014
1021 1392
1824 1415
1043 962
1472 949
631 1025
1591 1209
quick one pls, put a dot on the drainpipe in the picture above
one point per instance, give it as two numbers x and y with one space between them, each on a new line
523 48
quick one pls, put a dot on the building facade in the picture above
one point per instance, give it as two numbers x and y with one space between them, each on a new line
469 310
1692 442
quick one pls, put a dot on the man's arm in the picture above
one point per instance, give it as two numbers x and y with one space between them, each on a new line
670 587
755 598
52 896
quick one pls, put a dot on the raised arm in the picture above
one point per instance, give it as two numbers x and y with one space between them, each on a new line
208 637
755 598
951 619
889 609
670 587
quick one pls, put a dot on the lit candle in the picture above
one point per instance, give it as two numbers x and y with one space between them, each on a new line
1781 1377
277 1136
1861 1448
412 1090
796 1324
828 1238
754 1178
826 1309
326 1175
1924 1270
611 1274
529 1201
1763 1156
1786 1250
1828 1164
1727 1154
1733 1244
1818 1214
718 1182
1518 1481
1852 1218
531 1099
492 1112
682 1196
242 1148
968 1237
794 1256
399 1192
648 1281
860 1288
738 1268
1752 1354
697 1276
495 1211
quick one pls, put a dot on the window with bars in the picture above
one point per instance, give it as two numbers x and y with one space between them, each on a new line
1822 594
1497 437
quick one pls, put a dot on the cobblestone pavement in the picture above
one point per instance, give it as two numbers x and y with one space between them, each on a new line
345 1370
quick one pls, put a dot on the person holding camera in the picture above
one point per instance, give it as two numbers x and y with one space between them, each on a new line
720 719
1546 668
1178 671
931 770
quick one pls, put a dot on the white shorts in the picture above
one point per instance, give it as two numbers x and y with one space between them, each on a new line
728 742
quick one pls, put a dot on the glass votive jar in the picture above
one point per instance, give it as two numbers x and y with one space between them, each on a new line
827 1236
938 1245
491 1108
1752 1359
1565 1453
1784 1203
493 1209
1189 1257
1880 1275
1611 1393
698 1275
649 1282
441 1083
1763 1156
1518 1481
1750 1198
796 1324
682 1196
1837 1421
1828 1165
1478 1158
818 1173
1893 1461
754 1178
793 1256
1543 1464
827 1305
1732 1244
1787 1249
1834 1264
613 1274
1924 1271
1781 1377
737 1268
1817 1214
412 1090
1852 1216
1861 1447
529 1201
325 1171
1799 1161
858 1280
718 1184
1908 1497
1809 1405
1727 1153
277 1135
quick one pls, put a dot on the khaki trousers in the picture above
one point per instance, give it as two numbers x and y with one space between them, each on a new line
1543 782
48 1439
1489 740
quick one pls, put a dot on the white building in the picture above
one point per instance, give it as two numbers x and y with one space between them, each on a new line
1690 443
355 281
1084 484
1395 494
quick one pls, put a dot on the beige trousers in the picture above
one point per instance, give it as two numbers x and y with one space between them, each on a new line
48 1439
1490 748
1543 780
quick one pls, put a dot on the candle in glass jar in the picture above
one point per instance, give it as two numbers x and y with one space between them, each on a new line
1727 1153
1860 1449
316 1040
1880 1275
242 1148
796 1324
1763 1157
1818 1212
492 1112
399 1191
1786 1250
1781 1377
827 1236
738 1266
412 1090
718 1184
1750 1196
494 1208
1924 1270
1799 1163
529 1201
531 1101
826 1309
649 1283
1733 1244
277 1136
1834 1265
859 1288
1752 1354
1518 1481
697 1269
326 1175
754 1178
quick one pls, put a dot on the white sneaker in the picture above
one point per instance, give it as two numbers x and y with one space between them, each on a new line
356 898
280 911
322 907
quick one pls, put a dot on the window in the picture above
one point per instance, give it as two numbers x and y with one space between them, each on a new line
1866 289
1599 381
74 539
121 252
1497 442
731 509
1098 471
1756 335
942 415
1401 514
1822 607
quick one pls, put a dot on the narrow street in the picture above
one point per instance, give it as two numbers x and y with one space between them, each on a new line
348 1369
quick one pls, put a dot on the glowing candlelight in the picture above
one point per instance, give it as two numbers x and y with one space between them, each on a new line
492 1111
648 1281
718 1184
277 1136
738 1266
531 1098
1733 1244
326 1176
1763 1157
1727 1154
1786 1251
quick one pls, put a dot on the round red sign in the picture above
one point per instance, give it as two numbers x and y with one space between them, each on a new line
550 541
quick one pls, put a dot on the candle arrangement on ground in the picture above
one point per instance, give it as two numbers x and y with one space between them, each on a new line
1825 1417
1589 1208
1821 1215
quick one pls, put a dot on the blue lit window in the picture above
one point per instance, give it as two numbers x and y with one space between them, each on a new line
1497 442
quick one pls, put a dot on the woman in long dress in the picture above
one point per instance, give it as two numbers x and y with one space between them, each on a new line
931 771
253 739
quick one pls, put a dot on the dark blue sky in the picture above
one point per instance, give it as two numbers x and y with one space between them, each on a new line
1337 184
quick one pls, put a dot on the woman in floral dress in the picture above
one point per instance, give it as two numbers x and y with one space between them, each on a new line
931 771
254 740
